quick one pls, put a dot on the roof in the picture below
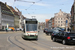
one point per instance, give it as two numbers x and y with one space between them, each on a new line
15 12
47 20
5 9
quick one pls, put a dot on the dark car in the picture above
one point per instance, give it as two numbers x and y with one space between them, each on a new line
49 31
45 30
65 37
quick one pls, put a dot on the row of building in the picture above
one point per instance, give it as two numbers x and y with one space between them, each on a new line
59 20
73 17
10 16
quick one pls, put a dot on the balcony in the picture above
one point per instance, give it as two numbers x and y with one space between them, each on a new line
7 12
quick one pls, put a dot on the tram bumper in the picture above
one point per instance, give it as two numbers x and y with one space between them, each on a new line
30 37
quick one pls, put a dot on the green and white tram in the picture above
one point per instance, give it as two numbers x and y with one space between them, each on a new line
30 29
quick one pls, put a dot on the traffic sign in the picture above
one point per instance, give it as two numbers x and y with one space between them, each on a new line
66 21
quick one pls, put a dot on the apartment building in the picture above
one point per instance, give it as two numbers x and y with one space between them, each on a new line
41 25
46 23
50 24
21 17
6 16
60 19
73 17
16 17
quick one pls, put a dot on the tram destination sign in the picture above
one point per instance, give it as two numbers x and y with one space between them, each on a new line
31 22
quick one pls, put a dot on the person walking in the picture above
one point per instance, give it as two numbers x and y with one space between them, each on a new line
6 30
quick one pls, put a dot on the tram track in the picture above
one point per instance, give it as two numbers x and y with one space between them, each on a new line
24 44
39 44
34 44
15 44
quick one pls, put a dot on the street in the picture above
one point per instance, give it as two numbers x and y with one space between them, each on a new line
14 41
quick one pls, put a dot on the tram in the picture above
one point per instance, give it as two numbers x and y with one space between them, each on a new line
30 29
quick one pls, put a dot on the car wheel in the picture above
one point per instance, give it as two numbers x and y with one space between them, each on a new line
54 39
64 42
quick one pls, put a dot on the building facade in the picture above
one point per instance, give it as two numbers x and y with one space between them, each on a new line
50 24
46 23
16 17
60 19
21 17
6 16
73 17
41 25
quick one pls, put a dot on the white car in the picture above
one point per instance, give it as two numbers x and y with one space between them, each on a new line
19 29
9 29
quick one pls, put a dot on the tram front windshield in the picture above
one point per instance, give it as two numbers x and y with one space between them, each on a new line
31 27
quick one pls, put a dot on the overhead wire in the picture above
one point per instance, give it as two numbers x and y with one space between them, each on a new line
25 1
32 5
28 2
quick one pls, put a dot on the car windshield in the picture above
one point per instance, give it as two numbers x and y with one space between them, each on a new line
55 31
31 27
50 30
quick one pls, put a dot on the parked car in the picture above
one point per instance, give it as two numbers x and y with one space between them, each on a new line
21 29
49 31
45 30
55 32
60 29
65 37
18 29
9 29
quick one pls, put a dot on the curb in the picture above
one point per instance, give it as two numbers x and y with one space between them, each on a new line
11 32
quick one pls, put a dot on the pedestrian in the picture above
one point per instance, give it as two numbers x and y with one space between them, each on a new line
6 30
68 29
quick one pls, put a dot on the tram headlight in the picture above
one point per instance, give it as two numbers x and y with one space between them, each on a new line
28 34
35 34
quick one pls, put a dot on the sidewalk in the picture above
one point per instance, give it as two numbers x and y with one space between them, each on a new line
1 32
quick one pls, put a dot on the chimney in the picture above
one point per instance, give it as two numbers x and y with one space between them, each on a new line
60 9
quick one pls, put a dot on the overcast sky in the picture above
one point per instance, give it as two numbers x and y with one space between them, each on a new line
41 9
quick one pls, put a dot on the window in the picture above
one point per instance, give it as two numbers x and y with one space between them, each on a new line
58 21
61 21
31 27
61 24
61 18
